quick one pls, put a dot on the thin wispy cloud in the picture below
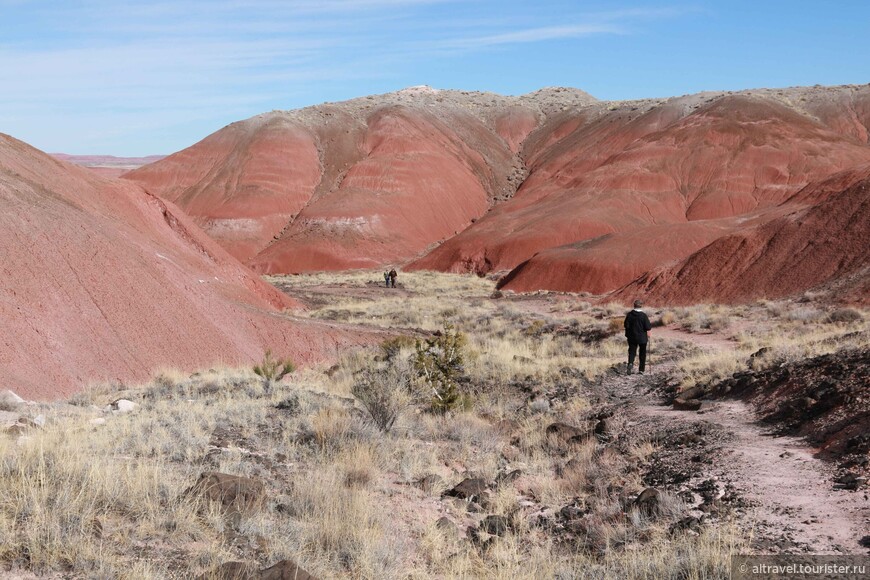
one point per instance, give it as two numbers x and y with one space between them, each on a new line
108 65
540 34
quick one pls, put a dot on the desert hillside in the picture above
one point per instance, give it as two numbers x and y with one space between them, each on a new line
105 281
582 195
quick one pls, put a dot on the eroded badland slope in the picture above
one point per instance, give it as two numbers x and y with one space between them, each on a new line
102 280
566 192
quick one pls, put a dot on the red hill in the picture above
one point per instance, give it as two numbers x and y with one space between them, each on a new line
562 191
823 245
103 280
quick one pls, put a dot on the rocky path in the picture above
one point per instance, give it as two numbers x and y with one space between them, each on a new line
792 502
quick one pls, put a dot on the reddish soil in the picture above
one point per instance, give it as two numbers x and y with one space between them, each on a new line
370 182
570 193
417 181
661 165
783 467
820 244
611 261
102 280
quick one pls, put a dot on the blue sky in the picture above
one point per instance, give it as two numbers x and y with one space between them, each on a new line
135 78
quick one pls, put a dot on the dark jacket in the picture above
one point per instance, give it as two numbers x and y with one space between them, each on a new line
636 326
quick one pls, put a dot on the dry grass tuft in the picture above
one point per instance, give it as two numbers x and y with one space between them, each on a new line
354 463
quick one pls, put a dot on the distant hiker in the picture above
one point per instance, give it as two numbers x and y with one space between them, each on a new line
637 329
393 275
387 279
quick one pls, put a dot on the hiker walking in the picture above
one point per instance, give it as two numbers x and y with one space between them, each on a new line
637 329
393 275
387 279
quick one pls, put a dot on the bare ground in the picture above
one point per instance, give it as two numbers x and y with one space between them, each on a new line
790 500
778 486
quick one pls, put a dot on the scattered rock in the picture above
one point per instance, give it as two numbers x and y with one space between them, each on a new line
495 525
9 400
468 489
122 406
233 492
285 570
429 483
681 404
97 421
648 501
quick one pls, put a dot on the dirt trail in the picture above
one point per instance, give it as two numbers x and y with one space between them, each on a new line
791 491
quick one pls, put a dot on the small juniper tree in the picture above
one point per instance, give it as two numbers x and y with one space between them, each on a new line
439 363
273 369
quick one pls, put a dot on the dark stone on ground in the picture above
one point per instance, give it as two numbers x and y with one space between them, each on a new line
648 501
681 404
469 489
495 525
231 491
428 483
508 477
286 570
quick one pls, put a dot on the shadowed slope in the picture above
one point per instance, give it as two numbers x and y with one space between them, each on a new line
823 244
621 171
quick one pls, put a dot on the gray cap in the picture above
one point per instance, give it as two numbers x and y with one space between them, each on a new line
638 303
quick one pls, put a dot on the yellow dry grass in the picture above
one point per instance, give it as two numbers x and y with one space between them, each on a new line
108 500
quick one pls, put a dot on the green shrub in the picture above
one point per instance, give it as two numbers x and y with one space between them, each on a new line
273 369
391 347
439 364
